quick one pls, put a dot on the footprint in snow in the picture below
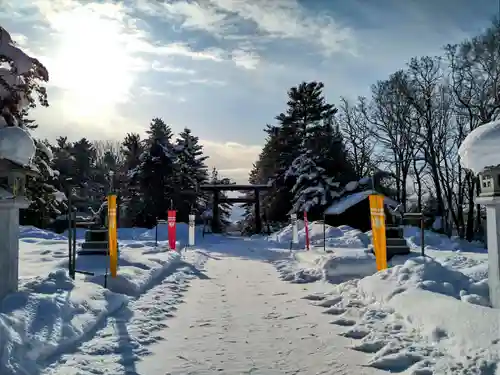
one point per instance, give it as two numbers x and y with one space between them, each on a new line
397 362
369 346
343 322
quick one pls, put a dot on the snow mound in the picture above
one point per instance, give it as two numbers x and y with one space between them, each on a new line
48 314
343 236
137 270
420 317
339 266
426 274
31 232
437 241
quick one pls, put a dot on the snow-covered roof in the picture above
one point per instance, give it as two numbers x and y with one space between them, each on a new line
346 202
479 150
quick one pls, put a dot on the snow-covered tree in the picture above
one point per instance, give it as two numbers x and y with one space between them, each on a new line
224 208
313 189
191 172
44 190
131 197
155 173
21 79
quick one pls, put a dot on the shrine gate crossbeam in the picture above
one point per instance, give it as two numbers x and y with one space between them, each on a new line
216 189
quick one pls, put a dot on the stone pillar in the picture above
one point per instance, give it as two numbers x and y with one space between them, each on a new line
492 204
9 244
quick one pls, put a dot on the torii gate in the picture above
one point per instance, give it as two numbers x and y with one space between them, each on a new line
216 190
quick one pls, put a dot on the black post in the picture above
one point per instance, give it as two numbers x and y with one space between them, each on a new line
156 233
216 228
73 219
324 233
258 221
422 234
70 239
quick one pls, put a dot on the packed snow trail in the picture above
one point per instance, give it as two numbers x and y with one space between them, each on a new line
242 319
126 335
236 317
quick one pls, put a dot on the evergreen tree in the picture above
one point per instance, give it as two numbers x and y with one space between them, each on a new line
47 201
155 173
131 196
313 189
224 208
192 173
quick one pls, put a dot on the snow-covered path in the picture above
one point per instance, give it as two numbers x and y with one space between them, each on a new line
242 319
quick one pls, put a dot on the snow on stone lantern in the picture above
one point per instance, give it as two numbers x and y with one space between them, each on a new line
479 153
16 152
21 77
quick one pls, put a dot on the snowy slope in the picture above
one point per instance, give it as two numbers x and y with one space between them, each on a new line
52 313
421 316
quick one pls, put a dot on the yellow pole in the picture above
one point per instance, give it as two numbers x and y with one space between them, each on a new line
113 237
378 230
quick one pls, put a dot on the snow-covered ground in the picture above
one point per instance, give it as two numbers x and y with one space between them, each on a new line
421 316
51 313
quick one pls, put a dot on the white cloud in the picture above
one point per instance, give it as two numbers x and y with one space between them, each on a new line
280 19
159 67
191 15
246 59
145 90
234 159
201 81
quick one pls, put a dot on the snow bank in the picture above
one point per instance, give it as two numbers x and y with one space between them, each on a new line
420 317
137 270
47 315
426 274
437 241
343 236
33 233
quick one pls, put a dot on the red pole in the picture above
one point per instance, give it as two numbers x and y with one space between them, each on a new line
171 229
306 223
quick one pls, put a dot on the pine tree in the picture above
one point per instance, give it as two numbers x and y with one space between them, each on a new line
47 201
313 189
131 196
155 173
224 208
192 172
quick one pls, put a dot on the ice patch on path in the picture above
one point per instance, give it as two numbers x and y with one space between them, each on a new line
47 314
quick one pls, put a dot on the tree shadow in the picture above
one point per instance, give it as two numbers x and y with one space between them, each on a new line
126 345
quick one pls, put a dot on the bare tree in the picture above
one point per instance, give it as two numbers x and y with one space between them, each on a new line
475 83
108 153
390 115
357 134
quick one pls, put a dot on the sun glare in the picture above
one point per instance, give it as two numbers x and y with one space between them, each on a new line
90 62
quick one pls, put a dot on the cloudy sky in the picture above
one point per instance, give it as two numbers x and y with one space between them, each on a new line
220 67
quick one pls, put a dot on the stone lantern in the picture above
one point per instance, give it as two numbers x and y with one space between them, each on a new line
12 199
490 198
490 182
